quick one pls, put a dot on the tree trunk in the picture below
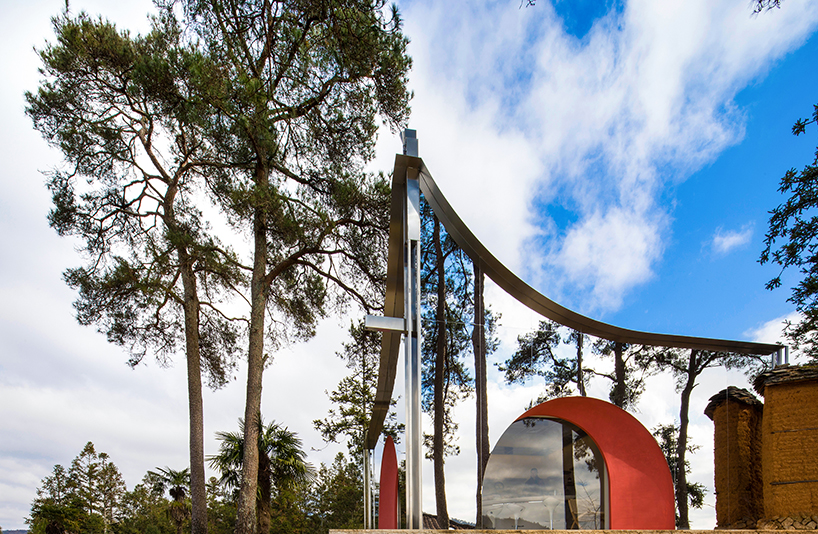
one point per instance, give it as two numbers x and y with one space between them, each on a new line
265 493
478 338
440 371
580 378
681 445
246 507
568 482
619 392
198 496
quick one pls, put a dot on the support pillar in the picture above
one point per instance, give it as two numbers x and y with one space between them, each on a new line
412 338
368 524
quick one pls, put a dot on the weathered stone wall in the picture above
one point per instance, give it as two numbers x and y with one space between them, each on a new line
790 448
804 522
737 416
737 450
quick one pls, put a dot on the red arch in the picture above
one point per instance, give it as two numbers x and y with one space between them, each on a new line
639 482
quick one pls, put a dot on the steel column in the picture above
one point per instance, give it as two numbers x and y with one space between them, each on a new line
412 339
367 489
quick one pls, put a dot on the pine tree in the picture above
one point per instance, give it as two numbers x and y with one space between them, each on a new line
536 356
85 498
84 472
484 342
446 317
354 397
336 496
110 488
294 91
119 109
668 438
632 365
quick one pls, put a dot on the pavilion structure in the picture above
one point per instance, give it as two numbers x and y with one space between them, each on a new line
400 323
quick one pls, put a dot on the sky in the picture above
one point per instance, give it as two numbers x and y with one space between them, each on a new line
621 157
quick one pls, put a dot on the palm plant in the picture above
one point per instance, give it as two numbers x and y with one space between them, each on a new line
282 464
177 484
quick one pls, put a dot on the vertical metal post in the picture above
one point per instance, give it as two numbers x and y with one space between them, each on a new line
781 356
367 490
413 337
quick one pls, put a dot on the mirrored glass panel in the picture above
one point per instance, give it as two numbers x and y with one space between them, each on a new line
544 474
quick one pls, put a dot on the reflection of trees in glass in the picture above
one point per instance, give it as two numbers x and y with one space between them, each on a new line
588 484
584 453
543 472
568 478
592 517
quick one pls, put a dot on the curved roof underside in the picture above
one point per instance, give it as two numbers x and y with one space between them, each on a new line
507 280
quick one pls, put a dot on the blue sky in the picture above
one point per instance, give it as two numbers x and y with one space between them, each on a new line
622 160
700 288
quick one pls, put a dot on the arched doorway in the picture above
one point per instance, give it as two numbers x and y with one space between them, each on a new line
578 462
545 474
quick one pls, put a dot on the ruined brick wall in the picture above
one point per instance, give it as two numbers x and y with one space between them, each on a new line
790 448
737 450
737 420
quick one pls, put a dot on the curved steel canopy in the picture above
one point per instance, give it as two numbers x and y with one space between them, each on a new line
504 278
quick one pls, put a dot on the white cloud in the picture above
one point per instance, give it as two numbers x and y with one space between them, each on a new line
610 251
510 108
772 331
725 242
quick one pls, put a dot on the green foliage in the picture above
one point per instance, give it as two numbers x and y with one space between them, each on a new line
687 366
144 510
457 321
177 484
450 319
667 437
765 5
70 517
307 503
795 223
292 104
267 109
283 468
337 497
283 448
86 498
113 105
291 93
131 190
637 364
354 397
535 356
288 511
221 508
